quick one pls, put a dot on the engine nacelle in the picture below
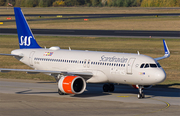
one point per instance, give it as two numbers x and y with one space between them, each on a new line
72 84
144 87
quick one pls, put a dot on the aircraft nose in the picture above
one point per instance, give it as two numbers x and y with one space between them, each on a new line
160 76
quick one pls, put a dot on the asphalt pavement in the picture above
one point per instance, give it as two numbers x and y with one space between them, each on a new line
105 33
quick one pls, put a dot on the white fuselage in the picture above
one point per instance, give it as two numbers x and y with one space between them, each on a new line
107 67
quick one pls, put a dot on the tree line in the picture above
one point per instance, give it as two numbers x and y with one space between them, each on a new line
94 3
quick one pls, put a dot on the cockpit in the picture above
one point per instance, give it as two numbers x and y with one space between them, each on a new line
147 65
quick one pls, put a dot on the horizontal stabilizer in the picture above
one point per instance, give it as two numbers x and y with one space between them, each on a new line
10 55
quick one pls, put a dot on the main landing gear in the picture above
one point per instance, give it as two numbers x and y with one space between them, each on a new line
108 87
141 94
60 92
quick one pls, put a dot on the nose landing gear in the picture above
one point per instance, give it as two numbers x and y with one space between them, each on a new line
141 94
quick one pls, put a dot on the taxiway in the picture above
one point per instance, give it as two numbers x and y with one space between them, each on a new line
25 97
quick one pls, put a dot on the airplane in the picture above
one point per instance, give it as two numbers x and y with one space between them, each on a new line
72 69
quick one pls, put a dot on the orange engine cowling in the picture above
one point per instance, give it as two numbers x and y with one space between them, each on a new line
72 84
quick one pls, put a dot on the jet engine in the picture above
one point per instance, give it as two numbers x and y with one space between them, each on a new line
72 85
144 87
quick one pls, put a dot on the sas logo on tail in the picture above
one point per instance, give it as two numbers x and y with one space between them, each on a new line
48 53
25 40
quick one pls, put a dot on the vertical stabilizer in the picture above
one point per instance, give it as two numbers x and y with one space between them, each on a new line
25 36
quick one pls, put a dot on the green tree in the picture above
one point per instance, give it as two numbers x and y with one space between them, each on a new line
22 3
95 2
119 3
29 3
18 3
75 2
45 3
159 3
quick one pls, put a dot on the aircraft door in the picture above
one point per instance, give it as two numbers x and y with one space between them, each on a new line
86 63
130 65
31 58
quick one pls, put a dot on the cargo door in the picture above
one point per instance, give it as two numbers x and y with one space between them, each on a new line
31 58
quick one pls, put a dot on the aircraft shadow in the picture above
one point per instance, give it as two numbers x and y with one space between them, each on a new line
47 82
30 92
95 90
155 91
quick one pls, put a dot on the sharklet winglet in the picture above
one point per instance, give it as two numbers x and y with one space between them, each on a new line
166 52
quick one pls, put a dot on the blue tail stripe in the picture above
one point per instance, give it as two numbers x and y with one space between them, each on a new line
25 36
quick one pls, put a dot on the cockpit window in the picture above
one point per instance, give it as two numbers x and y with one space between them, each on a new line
146 66
158 65
153 65
142 65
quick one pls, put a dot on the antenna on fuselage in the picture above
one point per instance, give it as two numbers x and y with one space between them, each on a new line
138 52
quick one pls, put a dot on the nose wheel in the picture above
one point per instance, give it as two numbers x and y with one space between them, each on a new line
108 87
141 94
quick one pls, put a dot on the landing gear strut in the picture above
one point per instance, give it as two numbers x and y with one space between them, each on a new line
108 87
60 92
141 94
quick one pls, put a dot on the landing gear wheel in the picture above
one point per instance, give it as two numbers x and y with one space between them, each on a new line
106 87
141 94
111 87
60 92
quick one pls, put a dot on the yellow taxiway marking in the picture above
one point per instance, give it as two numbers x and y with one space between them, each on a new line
123 96
167 106
59 15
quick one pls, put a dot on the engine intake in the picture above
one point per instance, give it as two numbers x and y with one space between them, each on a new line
72 84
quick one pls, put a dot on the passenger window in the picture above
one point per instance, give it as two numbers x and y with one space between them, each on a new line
142 65
153 65
146 66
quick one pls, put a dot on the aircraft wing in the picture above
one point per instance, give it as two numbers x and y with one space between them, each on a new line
10 55
166 51
29 71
